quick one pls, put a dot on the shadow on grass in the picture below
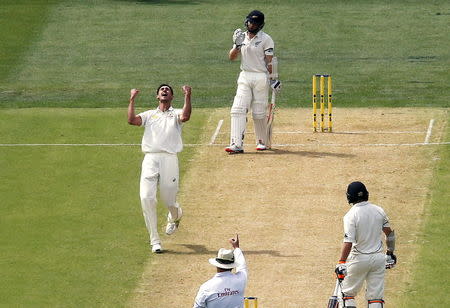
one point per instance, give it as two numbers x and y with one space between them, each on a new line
202 250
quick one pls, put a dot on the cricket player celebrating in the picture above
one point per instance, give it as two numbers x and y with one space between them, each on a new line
257 50
362 257
161 143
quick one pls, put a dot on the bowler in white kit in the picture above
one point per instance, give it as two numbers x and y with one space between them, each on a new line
160 144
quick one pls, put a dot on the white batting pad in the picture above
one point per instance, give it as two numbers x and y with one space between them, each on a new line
238 124
260 130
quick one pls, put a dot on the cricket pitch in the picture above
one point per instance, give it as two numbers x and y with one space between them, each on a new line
287 204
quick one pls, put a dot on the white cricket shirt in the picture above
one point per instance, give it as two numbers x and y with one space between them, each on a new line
162 131
253 52
225 289
363 226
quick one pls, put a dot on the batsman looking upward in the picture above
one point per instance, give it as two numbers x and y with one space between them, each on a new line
257 50
362 257
161 143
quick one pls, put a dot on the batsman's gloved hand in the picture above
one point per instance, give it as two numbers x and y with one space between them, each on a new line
341 270
275 84
238 38
391 260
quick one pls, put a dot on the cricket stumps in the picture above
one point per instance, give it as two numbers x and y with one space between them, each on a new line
322 78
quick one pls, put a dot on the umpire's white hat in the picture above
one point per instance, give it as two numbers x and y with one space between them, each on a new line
225 259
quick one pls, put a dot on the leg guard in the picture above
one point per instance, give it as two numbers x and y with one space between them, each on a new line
238 125
375 303
259 113
260 130
349 301
241 105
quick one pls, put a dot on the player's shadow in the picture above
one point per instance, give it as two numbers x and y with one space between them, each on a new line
312 154
202 250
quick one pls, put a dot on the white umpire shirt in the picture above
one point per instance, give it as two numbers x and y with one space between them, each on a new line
162 131
225 289
253 52
363 225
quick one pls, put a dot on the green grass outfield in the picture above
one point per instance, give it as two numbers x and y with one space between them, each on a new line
89 53
72 232
71 228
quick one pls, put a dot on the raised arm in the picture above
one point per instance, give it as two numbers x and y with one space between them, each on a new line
132 118
187 108
241 265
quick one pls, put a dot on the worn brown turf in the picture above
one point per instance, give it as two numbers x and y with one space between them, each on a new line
287 204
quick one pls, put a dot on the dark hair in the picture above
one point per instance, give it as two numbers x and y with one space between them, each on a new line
164 85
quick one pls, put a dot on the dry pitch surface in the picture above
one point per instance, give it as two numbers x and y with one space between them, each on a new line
287 204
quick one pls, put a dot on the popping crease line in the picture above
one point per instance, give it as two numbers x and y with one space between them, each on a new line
216 132
344 132
219 125
429 130
208 144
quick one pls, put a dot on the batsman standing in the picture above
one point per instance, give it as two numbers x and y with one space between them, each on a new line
160 143
362 258
257 50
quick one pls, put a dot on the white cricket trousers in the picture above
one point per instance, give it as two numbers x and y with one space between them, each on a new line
162 169
252 94
369 268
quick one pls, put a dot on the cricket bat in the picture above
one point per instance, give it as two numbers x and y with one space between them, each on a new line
271 113
333 302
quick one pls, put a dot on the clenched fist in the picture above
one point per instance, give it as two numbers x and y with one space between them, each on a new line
186 90
134 93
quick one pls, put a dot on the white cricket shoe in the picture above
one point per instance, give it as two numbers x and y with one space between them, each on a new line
234 149
156 248
260 147
172 225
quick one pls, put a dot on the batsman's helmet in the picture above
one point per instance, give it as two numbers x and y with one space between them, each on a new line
255 17
357 192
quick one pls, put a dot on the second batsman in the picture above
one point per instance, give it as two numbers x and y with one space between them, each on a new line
257 50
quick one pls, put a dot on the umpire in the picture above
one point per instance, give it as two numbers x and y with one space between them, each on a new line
225 289
362 257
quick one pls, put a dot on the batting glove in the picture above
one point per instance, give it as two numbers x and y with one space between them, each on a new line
275 84
238 38
341 270
391 260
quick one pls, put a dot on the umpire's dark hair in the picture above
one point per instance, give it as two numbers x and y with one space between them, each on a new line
357 192
164 85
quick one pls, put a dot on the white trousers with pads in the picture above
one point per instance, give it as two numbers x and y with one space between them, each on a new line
252 94
365 267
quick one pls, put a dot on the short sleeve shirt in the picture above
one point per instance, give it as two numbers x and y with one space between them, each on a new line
225 289
162 131
253 52
363 225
